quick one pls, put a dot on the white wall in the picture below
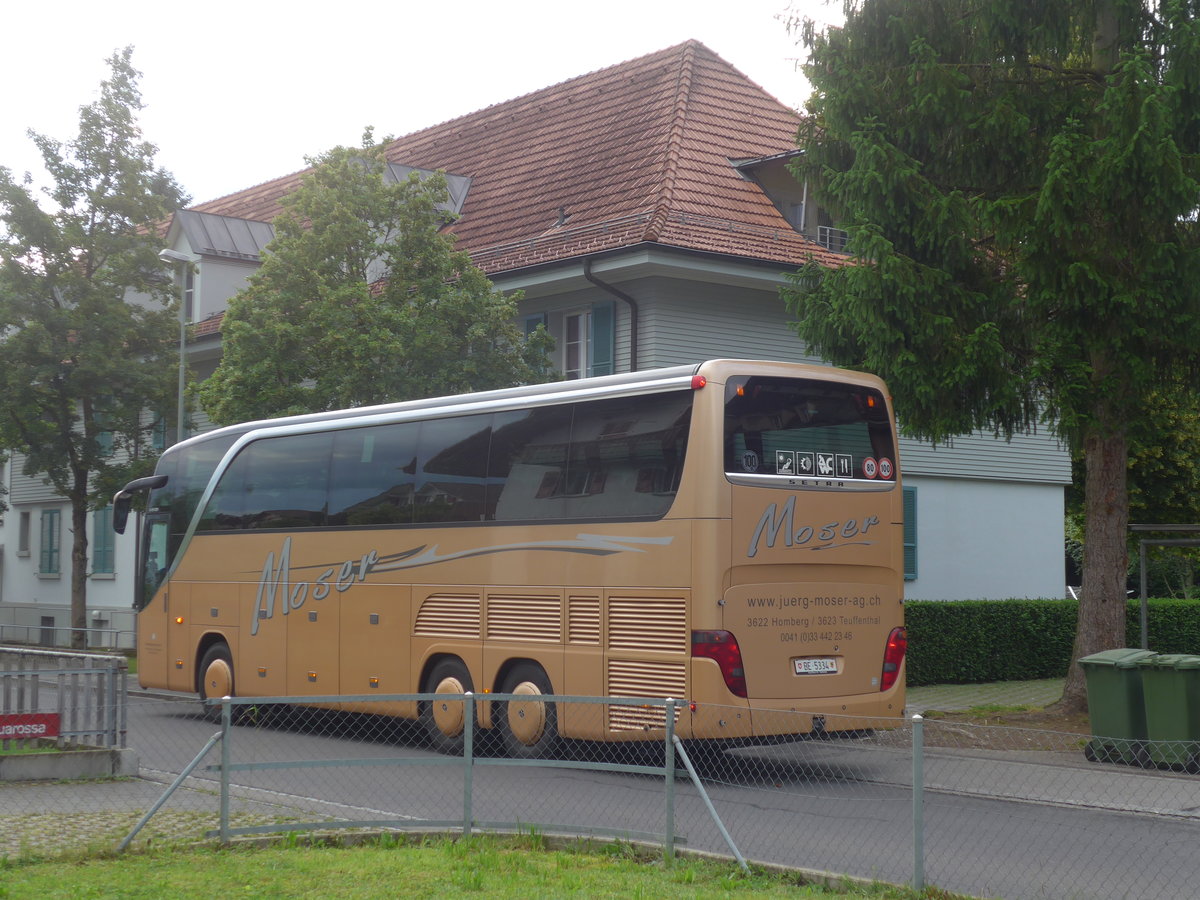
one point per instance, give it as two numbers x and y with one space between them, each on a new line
973 534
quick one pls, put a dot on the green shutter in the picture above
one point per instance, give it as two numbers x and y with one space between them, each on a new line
48 562
158 434
102 541
533 321
910 533
601 350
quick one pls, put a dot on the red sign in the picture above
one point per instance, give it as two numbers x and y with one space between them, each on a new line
24 726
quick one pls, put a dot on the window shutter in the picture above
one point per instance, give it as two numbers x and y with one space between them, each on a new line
910 533
602 340
48 551
102 541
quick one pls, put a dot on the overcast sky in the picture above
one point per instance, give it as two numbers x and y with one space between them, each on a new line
237 93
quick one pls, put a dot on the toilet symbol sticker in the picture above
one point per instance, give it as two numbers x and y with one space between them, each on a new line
824 463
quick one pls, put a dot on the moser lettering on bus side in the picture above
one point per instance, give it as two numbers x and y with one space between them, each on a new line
279 589
276 586
776 522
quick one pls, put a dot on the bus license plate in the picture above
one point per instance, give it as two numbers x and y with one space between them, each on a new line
815 666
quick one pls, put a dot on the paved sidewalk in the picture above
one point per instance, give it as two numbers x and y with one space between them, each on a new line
948 697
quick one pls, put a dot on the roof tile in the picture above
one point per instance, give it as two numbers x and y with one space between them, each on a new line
636 152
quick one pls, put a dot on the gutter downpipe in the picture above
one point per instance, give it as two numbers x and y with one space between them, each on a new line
633 310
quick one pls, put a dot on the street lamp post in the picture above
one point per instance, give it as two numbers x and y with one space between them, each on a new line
180 261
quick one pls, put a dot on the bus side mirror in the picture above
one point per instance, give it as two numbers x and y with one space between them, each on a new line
124 498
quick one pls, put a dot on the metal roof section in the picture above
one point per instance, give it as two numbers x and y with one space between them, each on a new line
457 185
210 234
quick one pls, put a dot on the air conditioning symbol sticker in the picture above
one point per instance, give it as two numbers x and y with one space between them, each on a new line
824 463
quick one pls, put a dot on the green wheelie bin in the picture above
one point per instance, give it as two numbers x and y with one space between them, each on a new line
1171 695
1115 706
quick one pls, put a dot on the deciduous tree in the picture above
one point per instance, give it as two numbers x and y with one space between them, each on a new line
79 363
1019 182
362 299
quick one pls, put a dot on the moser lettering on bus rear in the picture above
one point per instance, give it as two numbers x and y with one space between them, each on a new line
776 522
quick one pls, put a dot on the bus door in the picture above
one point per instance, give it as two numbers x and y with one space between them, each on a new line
153 601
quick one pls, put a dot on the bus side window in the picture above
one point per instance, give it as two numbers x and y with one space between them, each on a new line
452 471
372 475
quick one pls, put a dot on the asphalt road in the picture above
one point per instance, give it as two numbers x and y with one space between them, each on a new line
1010 825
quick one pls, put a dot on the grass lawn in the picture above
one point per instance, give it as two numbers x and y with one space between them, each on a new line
490 866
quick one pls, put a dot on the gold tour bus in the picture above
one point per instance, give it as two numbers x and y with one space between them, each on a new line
728 534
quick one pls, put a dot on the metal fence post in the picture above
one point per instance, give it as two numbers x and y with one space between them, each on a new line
226 731
110 709
918 750
468 758
669 767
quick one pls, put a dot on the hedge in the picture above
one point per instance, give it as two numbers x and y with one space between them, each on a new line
971 641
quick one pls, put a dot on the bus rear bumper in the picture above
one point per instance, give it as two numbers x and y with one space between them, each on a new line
775 720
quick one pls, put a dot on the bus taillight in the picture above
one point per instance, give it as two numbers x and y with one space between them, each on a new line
893 656
722 647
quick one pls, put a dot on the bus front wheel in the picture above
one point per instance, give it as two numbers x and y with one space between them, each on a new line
216 678
528 725
445 719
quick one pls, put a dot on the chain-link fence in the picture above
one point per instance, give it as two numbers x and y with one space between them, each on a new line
980 810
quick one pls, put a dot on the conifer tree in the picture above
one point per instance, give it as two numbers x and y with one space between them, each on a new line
1019 184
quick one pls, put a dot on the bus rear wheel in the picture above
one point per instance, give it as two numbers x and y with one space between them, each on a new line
445 719
528 727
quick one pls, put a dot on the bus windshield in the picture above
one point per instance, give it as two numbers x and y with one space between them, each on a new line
169 509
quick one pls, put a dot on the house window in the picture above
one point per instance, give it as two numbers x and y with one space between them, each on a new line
104 435
102 541
50 548
910 533
588 338
23 534
577 327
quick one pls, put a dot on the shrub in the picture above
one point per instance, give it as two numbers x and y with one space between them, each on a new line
971 641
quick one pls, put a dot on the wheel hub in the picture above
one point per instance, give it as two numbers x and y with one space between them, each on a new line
448 714
527 718
218 679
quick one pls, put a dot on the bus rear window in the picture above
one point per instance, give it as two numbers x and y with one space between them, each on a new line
807 428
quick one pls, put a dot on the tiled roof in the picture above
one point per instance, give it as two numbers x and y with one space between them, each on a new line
638 152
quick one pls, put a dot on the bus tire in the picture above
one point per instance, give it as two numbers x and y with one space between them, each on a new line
444 720
216 679
528 728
